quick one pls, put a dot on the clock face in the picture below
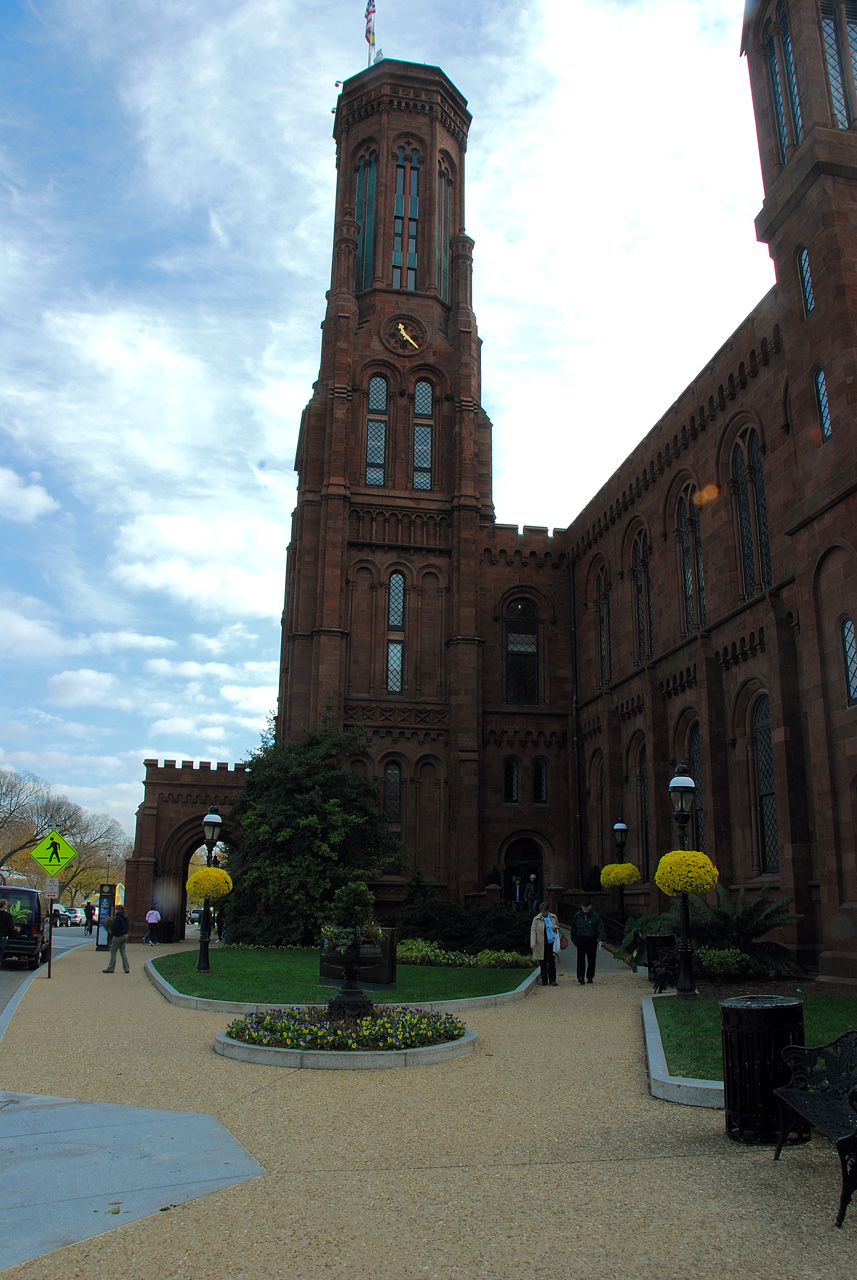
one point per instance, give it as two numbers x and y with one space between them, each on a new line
404 335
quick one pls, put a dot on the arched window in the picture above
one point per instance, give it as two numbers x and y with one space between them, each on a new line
395 642
364 213
643 597
791 79
777 92
839 39
510 781
749 481
690 546
769 852
423 433
605 642
806 281
522 653
444 195
540 781
822 404
698 795
406 218
849 648
393 792
376 432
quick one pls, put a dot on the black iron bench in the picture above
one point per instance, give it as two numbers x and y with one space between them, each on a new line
823 1091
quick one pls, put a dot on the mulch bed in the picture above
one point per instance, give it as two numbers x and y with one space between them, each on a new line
782 987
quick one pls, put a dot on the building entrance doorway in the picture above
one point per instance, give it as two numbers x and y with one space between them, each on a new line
523 859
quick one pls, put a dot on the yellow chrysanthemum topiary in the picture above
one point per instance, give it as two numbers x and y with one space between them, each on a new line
618 875
209 882
686 871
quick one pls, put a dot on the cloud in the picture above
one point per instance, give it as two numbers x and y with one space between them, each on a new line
23 502
88 688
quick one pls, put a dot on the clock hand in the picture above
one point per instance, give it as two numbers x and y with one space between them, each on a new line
407 337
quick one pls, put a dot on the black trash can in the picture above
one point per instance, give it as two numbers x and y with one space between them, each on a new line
754 1030
656 942
166 931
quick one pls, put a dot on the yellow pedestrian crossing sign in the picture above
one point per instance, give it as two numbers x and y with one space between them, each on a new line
53 852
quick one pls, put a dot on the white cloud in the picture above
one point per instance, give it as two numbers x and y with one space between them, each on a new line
88 688
261 700
23 502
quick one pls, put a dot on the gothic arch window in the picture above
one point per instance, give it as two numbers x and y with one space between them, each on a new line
695 753
540 781
605 642
444 201
789 67
395 633
839 39
690 551
849 650
766 799
393 791
643 814
749 485
822 404
364 213
641 562
805 281
522 653
406 214
510 781
423 435
777 92
376 432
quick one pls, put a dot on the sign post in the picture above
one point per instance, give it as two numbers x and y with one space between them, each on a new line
52 854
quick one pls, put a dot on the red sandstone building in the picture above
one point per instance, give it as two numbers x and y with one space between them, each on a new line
520 693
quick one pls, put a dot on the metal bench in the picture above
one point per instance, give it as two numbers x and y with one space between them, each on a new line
823 1091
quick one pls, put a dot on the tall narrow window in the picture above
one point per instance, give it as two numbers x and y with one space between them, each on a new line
769 852
643 784
510 781
757 480
849 648
791 79
540 781
643 597
822 404
690 546
745 521
364 213
698 795
805 281
406 214
777 92
393 792
395 624
423 433
376 432
444 185
522 653
835 63
605 642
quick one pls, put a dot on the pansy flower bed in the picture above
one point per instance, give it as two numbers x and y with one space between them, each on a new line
313 1028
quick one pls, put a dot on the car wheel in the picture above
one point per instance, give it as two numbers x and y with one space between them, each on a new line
34 963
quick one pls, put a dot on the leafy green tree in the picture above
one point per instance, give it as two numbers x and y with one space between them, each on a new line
304 826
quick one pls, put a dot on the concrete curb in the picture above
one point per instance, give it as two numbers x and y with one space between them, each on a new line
15 1000
682 1089
233 1006
326 1060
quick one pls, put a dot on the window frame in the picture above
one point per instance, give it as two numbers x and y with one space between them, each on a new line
522 665
849 654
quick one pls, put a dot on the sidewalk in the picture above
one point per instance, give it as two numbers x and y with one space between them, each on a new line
541 1155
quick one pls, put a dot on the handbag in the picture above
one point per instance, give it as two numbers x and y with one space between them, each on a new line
563 942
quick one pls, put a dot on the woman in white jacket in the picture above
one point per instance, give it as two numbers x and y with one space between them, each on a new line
544 941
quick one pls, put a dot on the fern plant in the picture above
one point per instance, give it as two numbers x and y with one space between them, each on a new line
741 926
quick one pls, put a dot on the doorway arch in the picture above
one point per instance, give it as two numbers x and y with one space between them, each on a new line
524 857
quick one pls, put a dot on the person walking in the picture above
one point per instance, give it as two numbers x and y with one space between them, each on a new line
531 895
153 920
587 934
118 929
544 943
89 913
7 926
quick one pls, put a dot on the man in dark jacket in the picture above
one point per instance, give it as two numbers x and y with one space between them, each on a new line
118 929
7 926
587 932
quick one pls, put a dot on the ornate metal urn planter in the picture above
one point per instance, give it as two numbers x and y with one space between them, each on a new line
351 1000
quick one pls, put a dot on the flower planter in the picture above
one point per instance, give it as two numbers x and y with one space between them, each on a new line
351 1000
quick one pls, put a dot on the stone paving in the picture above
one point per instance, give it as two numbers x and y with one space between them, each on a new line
541 1155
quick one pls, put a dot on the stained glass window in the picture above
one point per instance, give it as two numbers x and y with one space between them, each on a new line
806 281
522 653
849 646
769 851
822 404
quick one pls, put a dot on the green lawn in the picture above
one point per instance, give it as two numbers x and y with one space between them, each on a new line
690 1029
291 977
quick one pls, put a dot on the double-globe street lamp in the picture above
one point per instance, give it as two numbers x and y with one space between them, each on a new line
211 824
682 791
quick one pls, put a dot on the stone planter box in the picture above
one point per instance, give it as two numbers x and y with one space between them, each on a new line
331 1060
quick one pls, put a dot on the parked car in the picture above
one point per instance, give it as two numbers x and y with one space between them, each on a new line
75 915
60 914
195 915
31 938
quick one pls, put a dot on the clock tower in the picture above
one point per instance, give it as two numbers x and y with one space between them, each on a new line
394 463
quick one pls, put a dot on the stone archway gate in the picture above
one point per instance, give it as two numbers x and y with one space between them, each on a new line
176 798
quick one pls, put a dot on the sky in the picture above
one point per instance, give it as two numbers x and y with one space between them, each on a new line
166 194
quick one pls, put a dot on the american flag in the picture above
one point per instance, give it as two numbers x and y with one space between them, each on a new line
370 22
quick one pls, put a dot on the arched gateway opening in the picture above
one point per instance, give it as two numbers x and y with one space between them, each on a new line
524 857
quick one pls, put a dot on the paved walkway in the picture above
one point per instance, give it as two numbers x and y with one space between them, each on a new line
541 1155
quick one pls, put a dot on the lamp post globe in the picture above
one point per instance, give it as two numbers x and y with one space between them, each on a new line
682 791
211 824
620 835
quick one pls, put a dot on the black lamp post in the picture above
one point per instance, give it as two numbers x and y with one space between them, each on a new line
211 824
682 790
620 835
